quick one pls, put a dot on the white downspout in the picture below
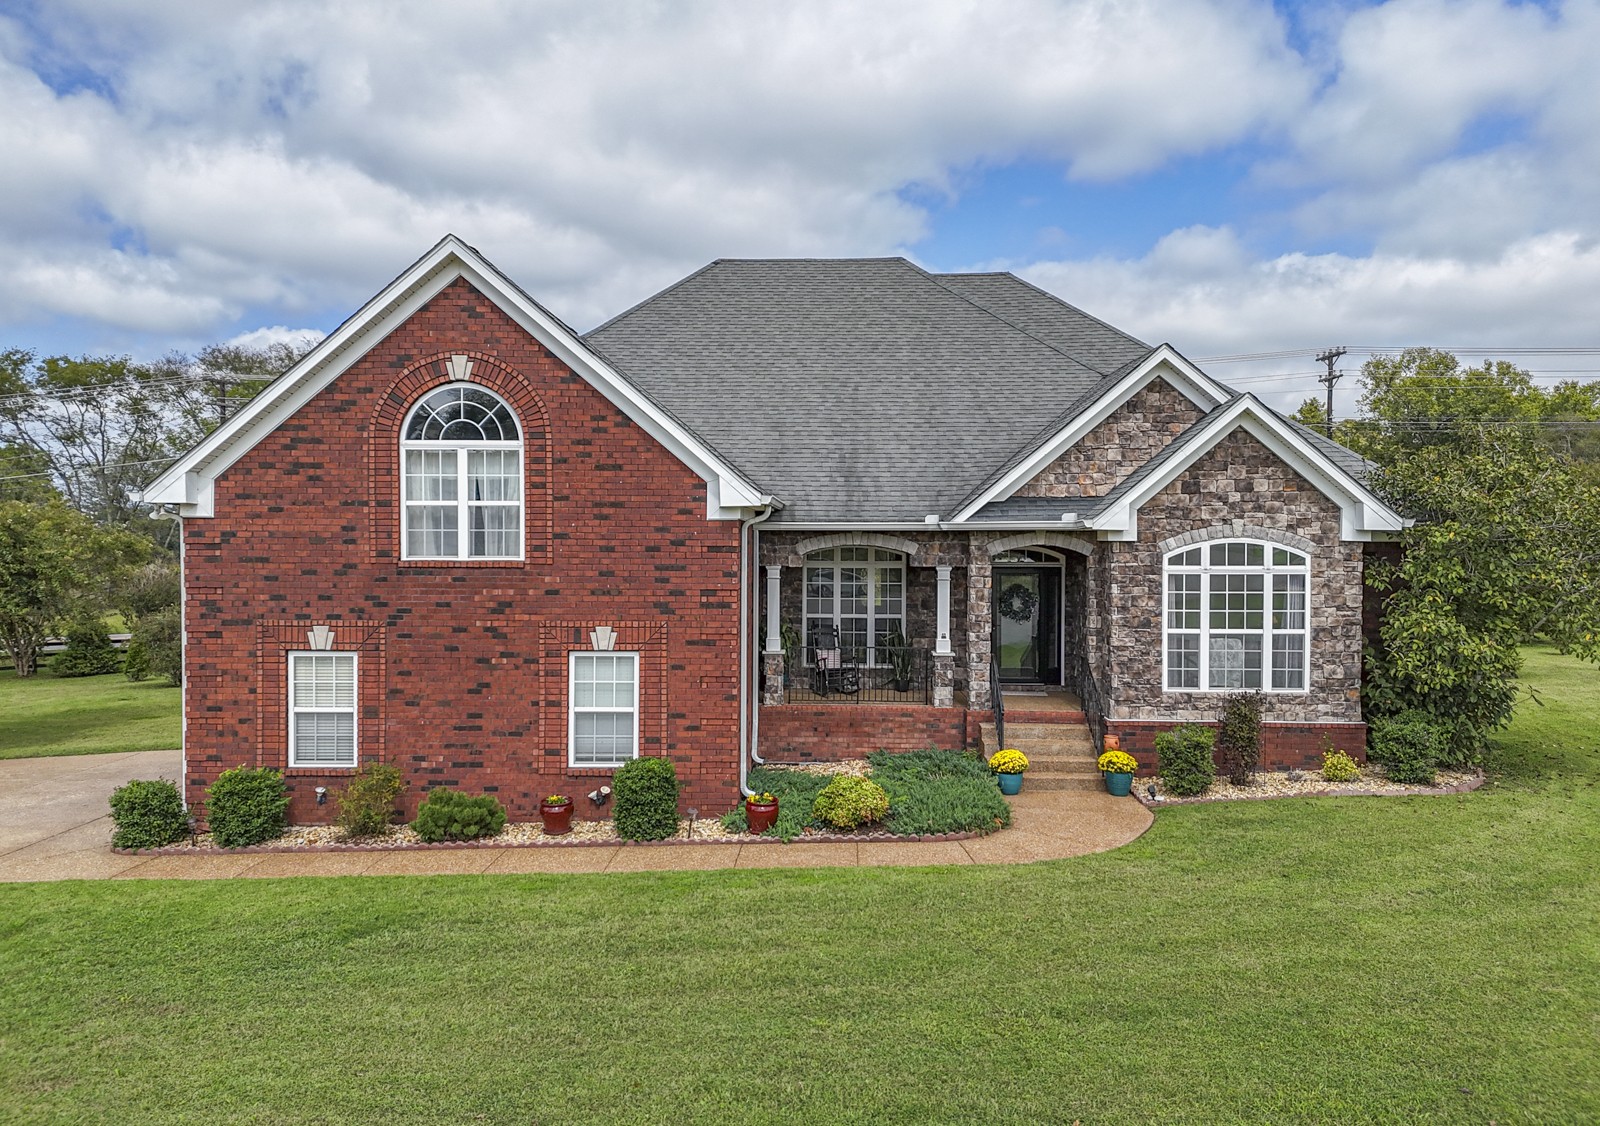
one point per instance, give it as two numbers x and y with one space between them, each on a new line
744 648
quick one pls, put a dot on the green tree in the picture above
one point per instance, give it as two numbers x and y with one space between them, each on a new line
54 563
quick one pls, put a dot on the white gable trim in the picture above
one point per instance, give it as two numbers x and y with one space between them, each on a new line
1164 362
189 482
1362 515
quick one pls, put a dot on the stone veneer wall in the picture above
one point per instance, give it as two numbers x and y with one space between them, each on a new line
1130 436
1240 482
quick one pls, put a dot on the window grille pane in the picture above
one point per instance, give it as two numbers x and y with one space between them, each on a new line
855 554
825 554
819 591
853 638
493 475
325 739
890 592
602 738
431 530
494 530
1289 602
813 634
1183 660
1235 661
1237 555
1282 558
852 590
1288 660
1236 602
431 475
1183 602
1190 558
325 680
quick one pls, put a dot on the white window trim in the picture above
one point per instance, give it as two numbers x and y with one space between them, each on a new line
873 618
573 709
354 709
463 504
1206 570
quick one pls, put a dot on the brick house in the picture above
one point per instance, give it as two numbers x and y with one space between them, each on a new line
781 510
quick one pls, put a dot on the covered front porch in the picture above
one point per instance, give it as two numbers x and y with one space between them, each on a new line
872 640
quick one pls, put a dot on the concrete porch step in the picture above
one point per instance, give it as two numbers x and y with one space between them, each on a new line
1055 719
1082 767
1061 782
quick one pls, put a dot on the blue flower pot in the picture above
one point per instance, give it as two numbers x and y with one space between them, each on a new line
1012 783
1118 784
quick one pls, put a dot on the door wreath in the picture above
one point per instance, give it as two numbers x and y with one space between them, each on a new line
1018 602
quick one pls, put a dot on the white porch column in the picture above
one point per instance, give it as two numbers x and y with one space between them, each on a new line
941 645
774 631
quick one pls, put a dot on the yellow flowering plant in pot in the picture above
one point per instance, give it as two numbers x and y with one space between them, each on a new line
1008 766
1117 768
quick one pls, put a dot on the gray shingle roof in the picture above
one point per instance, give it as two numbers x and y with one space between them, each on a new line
862 389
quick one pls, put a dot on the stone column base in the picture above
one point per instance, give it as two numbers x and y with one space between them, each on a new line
772 680
944 680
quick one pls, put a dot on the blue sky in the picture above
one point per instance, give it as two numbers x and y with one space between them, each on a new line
1230 176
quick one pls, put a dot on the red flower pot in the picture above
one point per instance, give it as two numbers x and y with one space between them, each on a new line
760 816
557 818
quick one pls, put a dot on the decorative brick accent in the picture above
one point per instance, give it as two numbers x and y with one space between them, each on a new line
463 665
1284 746
1131 435
833 732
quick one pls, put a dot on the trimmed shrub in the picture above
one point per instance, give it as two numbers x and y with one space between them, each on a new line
450 815
366 805
161 635
1339 767
89 651
846 803
646 795
1239 736
1186 766
148 815
246 806
136 660
1408 746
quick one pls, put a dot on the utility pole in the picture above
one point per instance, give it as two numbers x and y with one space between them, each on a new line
221 383
1330 357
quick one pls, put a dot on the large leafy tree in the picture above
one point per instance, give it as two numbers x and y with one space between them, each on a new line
1505 544
55 563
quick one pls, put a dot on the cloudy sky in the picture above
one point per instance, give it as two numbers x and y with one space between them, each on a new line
1233 177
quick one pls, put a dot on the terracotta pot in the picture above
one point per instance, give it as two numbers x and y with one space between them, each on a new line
557 818
760 816
1112 743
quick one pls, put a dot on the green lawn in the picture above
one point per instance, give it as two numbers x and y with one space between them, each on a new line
1320 960
45 715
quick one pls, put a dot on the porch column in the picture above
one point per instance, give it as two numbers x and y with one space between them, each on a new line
944 656
772 662
980 577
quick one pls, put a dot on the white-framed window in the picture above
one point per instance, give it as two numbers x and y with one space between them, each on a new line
1236 618
602 708
860 590
461 476
322 709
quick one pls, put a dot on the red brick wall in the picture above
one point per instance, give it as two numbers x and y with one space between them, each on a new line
463 667
1284 746
831 732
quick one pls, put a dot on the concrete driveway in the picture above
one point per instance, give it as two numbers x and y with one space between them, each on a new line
55 823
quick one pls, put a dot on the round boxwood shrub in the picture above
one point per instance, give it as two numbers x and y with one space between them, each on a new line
147 815
1187 767
1408 745
450 815
847 802
89 651
646 795
366 805
245 806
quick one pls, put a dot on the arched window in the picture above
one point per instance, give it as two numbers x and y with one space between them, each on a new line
1236 618
862 591
461 469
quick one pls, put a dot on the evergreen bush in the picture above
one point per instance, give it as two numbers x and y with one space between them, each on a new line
89 651
1187 766
147 815
646 795
160 633
846 803
1408 746
1239 736
366 805
246 806
136 660
450 815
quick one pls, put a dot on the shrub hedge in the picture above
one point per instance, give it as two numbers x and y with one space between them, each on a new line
246 806
1408 746
147 815
646 795
450 815
1239 736
1186 764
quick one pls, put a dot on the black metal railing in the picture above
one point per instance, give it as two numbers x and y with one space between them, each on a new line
999 702
900 675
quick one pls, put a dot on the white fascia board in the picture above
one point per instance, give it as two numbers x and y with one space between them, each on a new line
1362 515
1164 362
187 483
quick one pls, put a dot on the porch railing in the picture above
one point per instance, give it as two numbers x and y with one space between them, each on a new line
901 675
999 702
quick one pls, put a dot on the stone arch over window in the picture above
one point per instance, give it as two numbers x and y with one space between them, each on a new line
905 547
463 408
1040 539
1237 530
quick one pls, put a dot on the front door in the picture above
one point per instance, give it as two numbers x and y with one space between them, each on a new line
1027 624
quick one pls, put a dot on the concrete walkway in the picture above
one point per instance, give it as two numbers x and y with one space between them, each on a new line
55 825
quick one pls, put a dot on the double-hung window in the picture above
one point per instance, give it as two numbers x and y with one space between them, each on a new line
461 470
603 709
322 709
862 590
1236 618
